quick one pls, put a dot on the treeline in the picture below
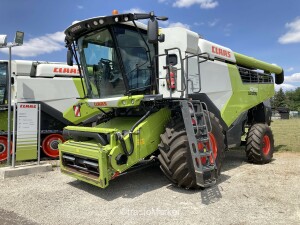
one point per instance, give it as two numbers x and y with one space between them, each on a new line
288 99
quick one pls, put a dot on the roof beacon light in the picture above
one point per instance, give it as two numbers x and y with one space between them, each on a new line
115 12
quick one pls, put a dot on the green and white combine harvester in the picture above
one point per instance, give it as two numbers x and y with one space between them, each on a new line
56 87
165 94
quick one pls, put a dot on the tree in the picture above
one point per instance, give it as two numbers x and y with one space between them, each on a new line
293 99
279 99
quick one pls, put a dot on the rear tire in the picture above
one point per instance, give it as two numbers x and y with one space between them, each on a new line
175 156
259 144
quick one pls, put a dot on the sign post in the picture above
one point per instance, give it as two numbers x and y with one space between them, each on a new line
27 143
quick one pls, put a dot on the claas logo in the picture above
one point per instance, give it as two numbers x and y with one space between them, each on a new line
28 106
65 70
220 51
100 104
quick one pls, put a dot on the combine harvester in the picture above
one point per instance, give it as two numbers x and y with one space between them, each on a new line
166 94
56 87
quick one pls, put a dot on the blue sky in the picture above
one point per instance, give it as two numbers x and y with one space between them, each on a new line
264 29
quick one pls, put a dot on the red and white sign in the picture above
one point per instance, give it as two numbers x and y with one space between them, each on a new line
76 109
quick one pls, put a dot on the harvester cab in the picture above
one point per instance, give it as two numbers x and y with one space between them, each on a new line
165 94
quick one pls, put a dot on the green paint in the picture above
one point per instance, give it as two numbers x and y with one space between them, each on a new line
146 138
241 100
257 64
3 120
26 152
85 110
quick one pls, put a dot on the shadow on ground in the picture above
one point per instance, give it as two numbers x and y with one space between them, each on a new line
149 179
233 159
12 218
129 185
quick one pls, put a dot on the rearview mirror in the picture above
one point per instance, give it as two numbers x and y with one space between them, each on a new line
70 57
152 31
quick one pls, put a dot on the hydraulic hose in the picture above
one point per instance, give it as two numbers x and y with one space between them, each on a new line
121 139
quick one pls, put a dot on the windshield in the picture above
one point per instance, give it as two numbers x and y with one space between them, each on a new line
135 56
100 62
3 73
110 65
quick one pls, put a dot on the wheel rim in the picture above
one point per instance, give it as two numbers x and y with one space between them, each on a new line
213 146
266 145
50 145
3 148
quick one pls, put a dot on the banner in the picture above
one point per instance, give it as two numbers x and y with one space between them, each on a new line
27 131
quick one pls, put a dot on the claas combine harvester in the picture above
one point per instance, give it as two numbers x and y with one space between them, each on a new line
164 94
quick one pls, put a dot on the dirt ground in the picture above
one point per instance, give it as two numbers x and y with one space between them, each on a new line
245 194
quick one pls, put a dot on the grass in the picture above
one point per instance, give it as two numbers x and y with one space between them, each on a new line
286 135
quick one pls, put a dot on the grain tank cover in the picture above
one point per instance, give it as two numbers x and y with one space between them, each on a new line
216 51
180 37
56 70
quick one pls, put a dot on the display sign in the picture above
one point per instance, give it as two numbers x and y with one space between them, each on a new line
27 131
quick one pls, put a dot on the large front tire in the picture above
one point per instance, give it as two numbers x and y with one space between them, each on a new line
259 144
175 156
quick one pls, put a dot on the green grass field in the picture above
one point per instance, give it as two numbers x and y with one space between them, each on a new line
286 135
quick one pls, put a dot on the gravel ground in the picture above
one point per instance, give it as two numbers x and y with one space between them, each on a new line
245 194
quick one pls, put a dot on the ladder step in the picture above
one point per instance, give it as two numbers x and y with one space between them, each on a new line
199 113
203 139
208 168
206 179
205 154
209 182
199 126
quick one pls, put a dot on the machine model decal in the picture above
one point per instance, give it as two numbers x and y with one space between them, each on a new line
253 91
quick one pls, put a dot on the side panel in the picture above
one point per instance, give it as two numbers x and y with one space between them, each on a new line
59 93
215 82
186 41
244 96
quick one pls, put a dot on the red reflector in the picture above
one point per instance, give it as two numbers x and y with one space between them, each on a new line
116 174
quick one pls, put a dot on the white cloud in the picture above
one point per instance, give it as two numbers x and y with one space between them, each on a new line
290 82
134 10
204 4
293 78
178 24
227 29
79 7
285 87
293 33
40 45
213 23
198 24
290 69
